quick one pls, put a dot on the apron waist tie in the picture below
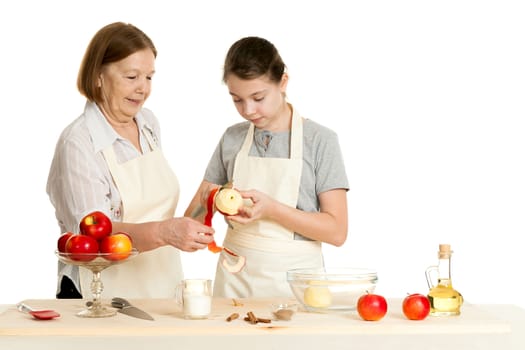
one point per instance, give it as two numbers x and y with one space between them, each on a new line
272 245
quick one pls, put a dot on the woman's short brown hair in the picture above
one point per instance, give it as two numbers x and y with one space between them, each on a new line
111 43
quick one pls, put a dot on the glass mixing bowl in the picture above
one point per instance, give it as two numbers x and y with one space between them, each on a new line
331 289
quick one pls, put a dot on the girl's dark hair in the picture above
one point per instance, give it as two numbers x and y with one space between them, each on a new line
252 57
111 43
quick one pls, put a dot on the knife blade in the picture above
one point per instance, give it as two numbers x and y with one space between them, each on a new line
125 307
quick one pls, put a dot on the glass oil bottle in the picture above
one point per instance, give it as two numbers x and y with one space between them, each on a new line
444 299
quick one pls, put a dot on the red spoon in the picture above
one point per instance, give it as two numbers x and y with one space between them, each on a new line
38 314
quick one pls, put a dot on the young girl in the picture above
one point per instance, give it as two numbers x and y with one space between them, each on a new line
292 170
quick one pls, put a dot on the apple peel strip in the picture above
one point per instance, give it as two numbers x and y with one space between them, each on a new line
240 261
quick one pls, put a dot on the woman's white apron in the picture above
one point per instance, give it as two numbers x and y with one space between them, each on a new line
149 191
269 248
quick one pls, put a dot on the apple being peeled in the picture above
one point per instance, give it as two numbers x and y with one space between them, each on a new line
228 201
416 306
96 225
372 307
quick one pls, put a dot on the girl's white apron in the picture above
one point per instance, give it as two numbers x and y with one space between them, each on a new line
269 248
149 191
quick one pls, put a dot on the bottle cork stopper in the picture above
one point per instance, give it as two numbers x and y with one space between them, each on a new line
444 248
444 251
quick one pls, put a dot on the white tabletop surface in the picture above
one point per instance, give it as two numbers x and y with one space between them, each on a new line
478 327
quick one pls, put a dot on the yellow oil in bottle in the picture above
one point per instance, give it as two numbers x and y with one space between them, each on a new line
444 299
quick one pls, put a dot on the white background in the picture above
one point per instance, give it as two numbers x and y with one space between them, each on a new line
427 98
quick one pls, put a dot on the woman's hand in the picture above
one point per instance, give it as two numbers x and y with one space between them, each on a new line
185 233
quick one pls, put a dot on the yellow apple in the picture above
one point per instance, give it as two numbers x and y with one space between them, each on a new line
228 201
317 296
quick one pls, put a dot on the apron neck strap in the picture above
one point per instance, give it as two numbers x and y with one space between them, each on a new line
296 137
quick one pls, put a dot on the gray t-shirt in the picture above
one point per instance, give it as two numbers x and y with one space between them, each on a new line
323 165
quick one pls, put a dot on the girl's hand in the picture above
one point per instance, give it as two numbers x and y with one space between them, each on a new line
262 207
205 193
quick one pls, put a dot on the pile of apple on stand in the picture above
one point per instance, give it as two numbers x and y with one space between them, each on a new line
95 237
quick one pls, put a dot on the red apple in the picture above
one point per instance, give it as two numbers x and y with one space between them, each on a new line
82 248
416 306
96 225
371 307
62 240
117 246
228 201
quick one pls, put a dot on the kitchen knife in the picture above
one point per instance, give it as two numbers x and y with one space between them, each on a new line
126 308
